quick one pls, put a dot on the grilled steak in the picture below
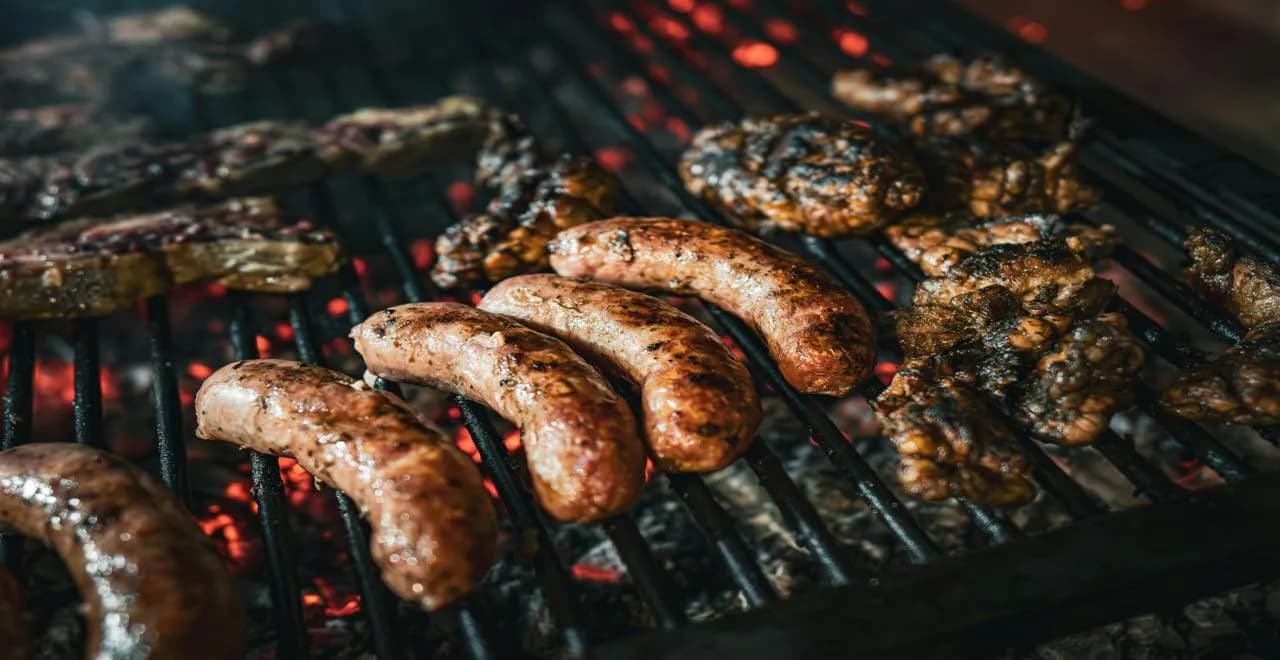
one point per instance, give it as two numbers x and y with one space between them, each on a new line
93 266
240 160
434 529
802 173
152 583
64 128
1241 385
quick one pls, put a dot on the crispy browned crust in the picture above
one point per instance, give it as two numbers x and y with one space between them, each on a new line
804 173
584 450
700 406
816 331
152 583
1046 269
70 126
1241 385
1243 286
93 266
434 528
994 180
13 629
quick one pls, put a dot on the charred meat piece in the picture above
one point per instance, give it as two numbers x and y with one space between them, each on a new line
434 529
1240 386
952 441
508 153
1045 271
153 584
511 237
1243 286
938 242
930 329
94 266
65 128
804 173
993 180
239 160
897 96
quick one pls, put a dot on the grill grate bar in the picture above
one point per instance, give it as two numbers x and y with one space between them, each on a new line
718 527
1148 479
268 491
826 253
377 600
652 583
87 405
171 443
17 416
1179 293
797 511
877 495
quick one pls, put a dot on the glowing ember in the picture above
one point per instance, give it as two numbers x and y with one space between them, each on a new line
855 8
512 440
880 59
284 331
613 158
462 439
678 128
493 490
263 344
592 573
635 86
755 54
648 469
660 73
199 370
885 371
422 252
620 22
708 18
1028 30
883 266
216 290
329 602
461 195
336 306
361 266
1133 5
851 42
230 536
887 290
682 6
670 28
781 30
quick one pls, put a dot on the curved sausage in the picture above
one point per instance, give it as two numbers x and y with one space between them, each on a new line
700 407
153 584
580 437
434 529
816 331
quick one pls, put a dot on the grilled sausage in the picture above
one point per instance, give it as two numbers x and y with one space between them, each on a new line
700 407
153 584
13 634
434 530
816 331
584 451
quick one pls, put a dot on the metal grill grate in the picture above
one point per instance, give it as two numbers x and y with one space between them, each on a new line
539 47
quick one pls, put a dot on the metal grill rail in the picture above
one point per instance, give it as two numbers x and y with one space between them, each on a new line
650 581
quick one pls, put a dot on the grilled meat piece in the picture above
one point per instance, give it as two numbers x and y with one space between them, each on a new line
1045 271
94 266
1239 386
585 456
993 180
816 330
700 406
938 242
1243 286
508 153
239 160
434 529
152 583
951 440
930 329
64 128
804 173
511 237
983 97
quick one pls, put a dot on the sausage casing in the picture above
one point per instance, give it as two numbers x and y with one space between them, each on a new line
434 528
816 331
700 407
584 451
154 585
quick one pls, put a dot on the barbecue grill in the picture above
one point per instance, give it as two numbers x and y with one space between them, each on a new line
563 67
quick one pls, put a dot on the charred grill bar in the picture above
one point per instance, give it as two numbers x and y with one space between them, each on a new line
1124 563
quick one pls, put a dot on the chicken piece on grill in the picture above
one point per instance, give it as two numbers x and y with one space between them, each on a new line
68 127
938 242
952 441
1239 386
1045 272
511 237
239 160
1243 286
983 97
993 180
94 266
802 172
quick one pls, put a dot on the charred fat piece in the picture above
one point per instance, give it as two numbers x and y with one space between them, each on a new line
434 529
93 266
700 406
585 456
804 173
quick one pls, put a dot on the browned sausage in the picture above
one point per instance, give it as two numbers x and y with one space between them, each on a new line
816 331
434 529
13 633
153 584
580 437
700 407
